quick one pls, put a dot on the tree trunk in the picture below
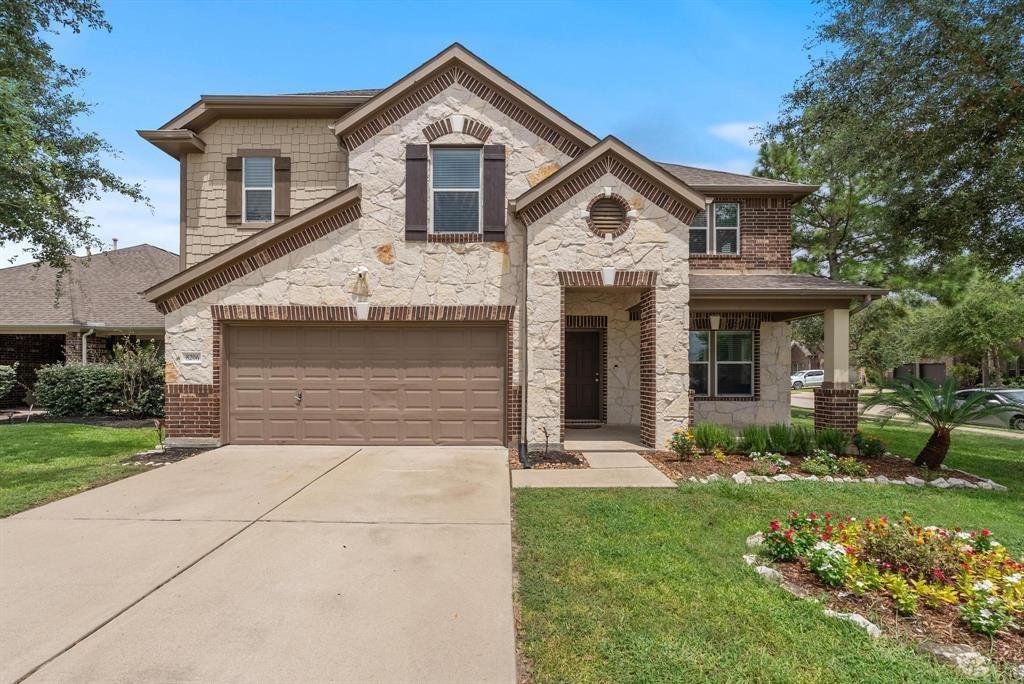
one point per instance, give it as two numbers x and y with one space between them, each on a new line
934 452
997 368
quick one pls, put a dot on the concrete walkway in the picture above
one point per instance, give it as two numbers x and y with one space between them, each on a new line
607 469
269 564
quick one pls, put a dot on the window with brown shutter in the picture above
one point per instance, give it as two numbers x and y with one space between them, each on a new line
494 193
258 187
416 192
234 189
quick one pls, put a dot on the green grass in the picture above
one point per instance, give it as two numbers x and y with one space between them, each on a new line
649 586
40 462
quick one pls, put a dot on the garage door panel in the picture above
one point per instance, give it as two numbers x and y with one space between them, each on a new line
385 384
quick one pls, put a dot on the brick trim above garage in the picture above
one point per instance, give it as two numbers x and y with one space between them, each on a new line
339 314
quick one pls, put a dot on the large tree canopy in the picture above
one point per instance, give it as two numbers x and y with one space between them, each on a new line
48 166
925 100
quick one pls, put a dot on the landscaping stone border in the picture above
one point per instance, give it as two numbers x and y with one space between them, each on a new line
963 657
939 483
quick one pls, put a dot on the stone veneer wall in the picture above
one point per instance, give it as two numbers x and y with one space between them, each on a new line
623 341
765 237
772 406
318 163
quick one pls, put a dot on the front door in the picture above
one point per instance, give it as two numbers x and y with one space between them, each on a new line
582 375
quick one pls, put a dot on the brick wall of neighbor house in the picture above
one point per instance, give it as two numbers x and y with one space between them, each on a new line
97 348
765 237
29 352
835 407
318 168
772 402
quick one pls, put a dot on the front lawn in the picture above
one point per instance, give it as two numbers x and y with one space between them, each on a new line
40 462
649 586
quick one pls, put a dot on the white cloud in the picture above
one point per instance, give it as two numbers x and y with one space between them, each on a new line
739 133
130 222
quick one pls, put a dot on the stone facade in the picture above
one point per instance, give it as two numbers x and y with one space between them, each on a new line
319 170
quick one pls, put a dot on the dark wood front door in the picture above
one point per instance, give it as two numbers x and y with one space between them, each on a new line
582 375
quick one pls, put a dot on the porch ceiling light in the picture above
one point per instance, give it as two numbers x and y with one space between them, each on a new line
715 320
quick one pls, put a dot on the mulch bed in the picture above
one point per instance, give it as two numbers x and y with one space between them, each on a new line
941 626
168 455
892 467
552 460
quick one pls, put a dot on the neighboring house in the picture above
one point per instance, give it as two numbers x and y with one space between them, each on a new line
935 370
801 358
481 220
99 301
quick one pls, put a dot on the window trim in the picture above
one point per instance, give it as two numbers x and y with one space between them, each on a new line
711 230
713 362
272 189
431 190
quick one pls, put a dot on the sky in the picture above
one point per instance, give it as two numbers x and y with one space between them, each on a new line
681 82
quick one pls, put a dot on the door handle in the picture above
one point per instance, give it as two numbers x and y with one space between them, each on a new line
298 395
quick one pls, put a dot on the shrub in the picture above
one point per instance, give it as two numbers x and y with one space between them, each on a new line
815 467
754 438
767 463
710 435
868 446
8 379
142 378
681 442
780 438
79 389
829 562
848 465
832 440
803 438
965 374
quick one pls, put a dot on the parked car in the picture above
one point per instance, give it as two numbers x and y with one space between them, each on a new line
1012 399
807 378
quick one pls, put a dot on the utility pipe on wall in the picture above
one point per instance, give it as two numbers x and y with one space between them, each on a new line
85 344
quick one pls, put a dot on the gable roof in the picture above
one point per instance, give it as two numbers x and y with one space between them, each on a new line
101 291
711 181
257 250
687 201
456 56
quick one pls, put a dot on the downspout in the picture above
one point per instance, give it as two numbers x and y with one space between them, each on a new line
523 350
85 347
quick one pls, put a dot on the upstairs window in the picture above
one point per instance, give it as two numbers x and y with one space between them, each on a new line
455 180
716 230
258 189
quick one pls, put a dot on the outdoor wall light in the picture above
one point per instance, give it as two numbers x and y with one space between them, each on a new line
361 292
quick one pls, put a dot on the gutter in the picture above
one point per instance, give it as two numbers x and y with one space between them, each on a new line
85 348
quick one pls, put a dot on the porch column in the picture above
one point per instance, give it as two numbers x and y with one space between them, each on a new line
835 402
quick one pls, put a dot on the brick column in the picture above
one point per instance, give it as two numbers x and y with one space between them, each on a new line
835 406
192 414
691 415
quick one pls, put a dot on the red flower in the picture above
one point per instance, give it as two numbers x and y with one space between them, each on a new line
828 516
775 525
984 533
792 514
811 516
850 550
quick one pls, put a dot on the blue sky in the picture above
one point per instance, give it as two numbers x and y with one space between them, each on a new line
680 81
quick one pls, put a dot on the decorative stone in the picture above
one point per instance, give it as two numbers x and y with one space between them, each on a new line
961 656
1016 673
957 482
769 574
998 487
985 484
811 478
702 481
882 480
714 477
939 483
755 540
783 478
741 478
749 558
871 628
828 478
691 479
915 481
758 478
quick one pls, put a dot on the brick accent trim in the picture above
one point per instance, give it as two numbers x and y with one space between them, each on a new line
626 222
455 238
691 415
457 74
766 236
734 320
648 369
344 314
192 411
598 322
470 127
588 175
835 407
622 278
275 250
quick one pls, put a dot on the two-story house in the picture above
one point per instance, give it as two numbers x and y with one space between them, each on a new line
450 260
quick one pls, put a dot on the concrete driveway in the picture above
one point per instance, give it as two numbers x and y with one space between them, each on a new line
269 564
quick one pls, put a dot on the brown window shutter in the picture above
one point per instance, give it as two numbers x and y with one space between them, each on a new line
234 178
494 193
282 187
416 192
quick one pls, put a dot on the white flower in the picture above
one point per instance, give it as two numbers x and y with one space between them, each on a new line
963 535
1013 579
985 613
983 586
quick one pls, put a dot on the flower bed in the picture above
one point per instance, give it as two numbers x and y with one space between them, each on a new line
926 583
553 459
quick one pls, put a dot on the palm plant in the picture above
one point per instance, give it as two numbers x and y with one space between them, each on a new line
938 407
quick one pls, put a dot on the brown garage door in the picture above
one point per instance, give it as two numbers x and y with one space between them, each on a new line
365 384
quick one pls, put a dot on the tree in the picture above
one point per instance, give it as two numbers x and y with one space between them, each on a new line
983 325
926 100
49 167
836 229
939 408
880 339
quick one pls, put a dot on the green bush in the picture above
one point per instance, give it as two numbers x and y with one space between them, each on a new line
781 438
8 379
803 439
819 462
832 440
848 465
79 389
142 378
710 435
868 446
754 438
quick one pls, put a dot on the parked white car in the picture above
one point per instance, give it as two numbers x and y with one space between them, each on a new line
1012 399
807 378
